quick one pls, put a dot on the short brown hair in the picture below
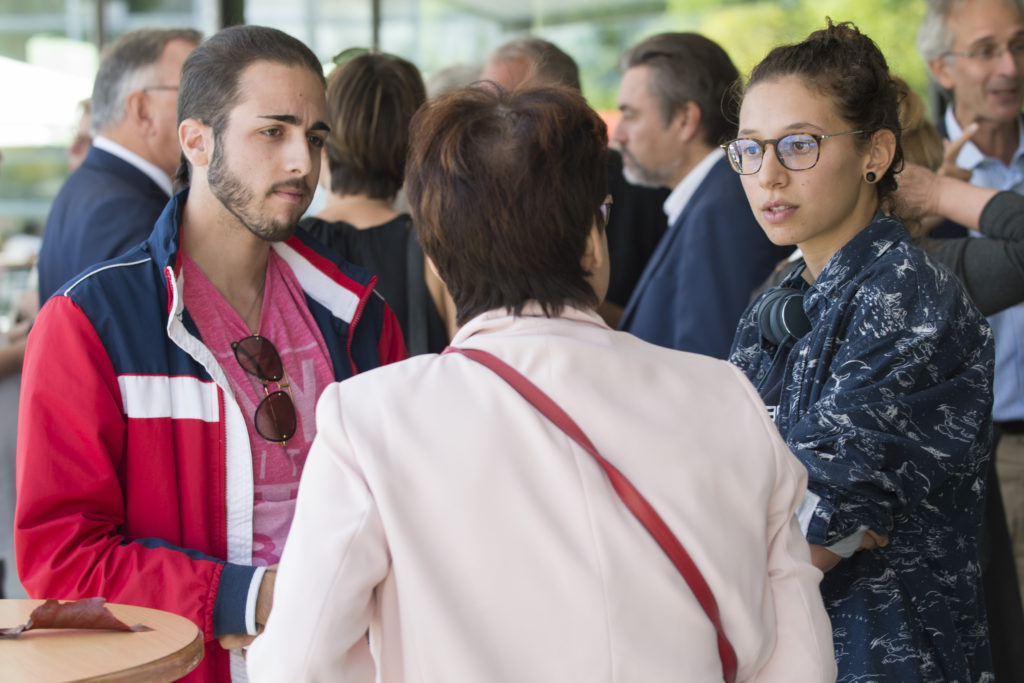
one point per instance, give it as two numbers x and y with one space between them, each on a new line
370 102
504 188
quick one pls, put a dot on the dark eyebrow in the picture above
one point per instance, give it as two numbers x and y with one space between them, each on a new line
283 118
294 120
798 127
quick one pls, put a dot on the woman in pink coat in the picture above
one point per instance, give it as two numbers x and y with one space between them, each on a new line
445 516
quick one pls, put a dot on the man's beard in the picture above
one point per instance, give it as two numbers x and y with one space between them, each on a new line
636 174
238 199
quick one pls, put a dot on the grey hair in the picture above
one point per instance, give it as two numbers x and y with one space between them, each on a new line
687 67
934 39
126 66
548 61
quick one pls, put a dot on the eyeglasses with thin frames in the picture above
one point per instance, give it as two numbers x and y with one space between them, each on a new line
990 52
150 88
275 418
797 152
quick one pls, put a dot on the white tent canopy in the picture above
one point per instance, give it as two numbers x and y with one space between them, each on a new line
43 114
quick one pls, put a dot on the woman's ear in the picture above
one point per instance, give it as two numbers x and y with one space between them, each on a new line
196 140
880 156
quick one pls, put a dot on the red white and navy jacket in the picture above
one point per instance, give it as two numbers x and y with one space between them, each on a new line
134 477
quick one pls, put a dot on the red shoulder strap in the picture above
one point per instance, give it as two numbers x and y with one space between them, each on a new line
632 498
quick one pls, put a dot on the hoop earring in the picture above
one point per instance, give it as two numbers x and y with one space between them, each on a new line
870 177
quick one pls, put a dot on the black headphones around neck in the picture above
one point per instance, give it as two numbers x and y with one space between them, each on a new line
781 318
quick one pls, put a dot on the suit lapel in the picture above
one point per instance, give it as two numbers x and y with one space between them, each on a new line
106 162
664 247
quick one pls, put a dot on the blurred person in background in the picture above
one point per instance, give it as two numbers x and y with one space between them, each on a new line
445 516
636 221
676 105
109 204
20 308
992 269
932 187
974 50
371 99
451 77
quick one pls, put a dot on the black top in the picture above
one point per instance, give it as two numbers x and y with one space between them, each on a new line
392 252
636 225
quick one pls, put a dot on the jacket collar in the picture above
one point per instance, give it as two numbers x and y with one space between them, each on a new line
500 320
327 278
719 172
866 247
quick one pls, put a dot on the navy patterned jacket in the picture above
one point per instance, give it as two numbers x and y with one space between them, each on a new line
887 401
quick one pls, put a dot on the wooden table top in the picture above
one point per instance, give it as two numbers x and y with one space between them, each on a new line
172 649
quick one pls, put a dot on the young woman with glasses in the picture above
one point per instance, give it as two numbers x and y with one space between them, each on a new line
874 363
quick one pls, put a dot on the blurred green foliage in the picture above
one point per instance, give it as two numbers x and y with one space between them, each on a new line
749 29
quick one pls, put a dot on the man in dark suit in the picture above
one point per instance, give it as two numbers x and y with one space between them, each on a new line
676 111
112 200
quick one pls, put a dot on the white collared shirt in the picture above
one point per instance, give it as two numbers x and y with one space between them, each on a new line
988 171
151 170
683 192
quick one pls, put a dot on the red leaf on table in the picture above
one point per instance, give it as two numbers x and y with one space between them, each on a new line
90 613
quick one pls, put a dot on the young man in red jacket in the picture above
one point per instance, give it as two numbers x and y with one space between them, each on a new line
168 395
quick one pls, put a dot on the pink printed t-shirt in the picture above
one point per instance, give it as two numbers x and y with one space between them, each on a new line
286 322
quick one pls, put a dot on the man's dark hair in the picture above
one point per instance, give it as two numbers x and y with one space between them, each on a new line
126 67
687 67
505 187
548 62
370 102
211 73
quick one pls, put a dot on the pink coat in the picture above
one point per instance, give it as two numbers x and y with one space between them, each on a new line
441 512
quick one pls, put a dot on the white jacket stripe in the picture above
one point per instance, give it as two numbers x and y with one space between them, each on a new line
160 396
340 301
